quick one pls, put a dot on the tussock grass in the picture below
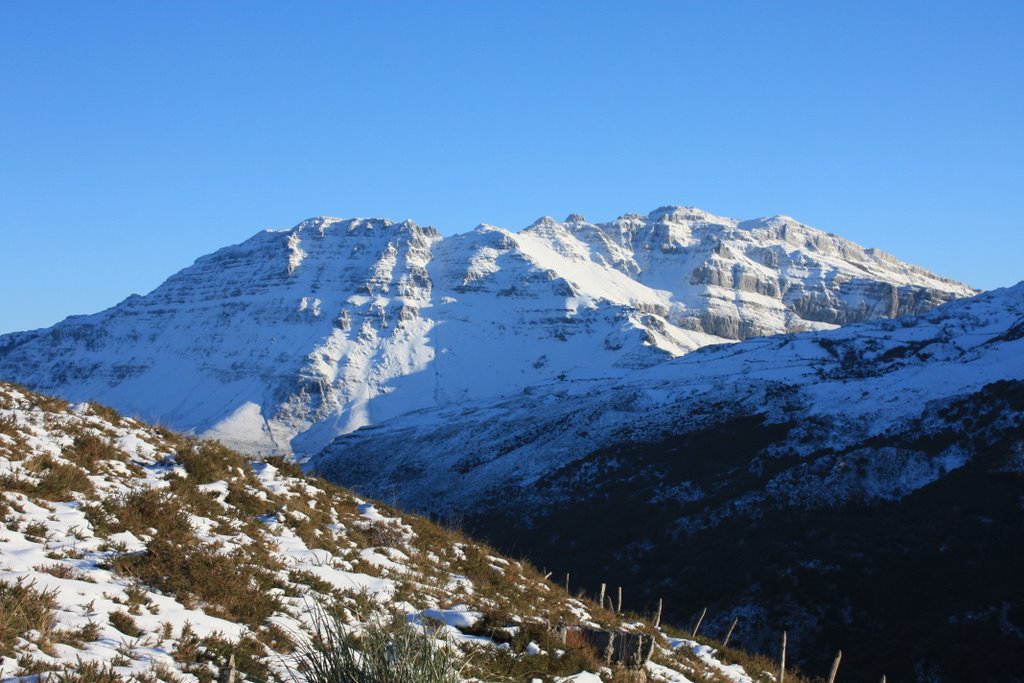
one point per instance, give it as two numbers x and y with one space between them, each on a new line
393 653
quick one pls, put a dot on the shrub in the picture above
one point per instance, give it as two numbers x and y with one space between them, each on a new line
9 426
24 609
61 571
217 649
230 584
124 623
48 404
88 672
105 412
384 534
209 461
286 466
36 531
557 658
56 480
140 511
78 637
89 450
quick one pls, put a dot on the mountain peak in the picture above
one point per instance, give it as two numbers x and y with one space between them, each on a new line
543 221
293 337
676 212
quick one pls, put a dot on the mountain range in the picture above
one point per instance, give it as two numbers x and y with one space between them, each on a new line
753 417
283 342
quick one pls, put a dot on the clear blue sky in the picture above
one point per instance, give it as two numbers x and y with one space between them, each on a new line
137 136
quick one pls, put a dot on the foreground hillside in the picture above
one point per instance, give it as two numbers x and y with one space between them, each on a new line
127 552
850 484
279 344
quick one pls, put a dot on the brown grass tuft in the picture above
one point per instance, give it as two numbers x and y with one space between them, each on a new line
23 608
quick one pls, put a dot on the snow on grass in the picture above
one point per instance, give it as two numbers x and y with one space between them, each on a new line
706 654
147 549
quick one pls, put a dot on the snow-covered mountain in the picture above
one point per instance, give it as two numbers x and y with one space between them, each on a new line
283 342
849 483
833 389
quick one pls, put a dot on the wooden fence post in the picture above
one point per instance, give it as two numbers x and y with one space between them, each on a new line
228 673
725 643
567 582
835 667
600 600
618 607
657 616
782 662
699 622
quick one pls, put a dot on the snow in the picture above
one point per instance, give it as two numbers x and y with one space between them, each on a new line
901 367
93 592
128 540
733 672
582 677
283 342
460 616
70 557
663 674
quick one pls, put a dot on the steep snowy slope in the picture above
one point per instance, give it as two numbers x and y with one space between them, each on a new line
128 553
280 343
849 483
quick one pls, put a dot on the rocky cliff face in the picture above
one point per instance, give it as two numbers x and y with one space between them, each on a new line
293 337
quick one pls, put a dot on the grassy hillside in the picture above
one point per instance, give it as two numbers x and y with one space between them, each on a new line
129 552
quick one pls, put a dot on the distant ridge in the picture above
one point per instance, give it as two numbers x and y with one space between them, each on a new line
850 483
